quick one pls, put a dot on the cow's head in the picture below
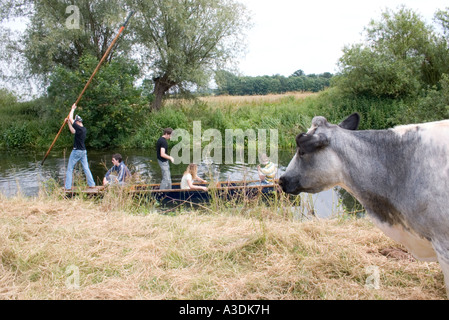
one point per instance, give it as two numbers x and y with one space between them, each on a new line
316 166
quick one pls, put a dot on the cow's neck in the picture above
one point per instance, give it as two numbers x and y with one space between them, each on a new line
375 163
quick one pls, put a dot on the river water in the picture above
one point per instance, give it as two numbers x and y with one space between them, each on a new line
22 172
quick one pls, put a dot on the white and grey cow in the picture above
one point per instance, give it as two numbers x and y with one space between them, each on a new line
400 176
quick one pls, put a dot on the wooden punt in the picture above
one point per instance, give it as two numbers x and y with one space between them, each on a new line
226 190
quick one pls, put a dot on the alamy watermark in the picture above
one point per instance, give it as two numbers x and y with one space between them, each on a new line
208 146
72 281
373 279
73 21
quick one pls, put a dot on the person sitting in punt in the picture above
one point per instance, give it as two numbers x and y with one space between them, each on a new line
267 172
118 173
189 176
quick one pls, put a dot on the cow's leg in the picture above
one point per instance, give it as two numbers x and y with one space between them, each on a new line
442 251
445 267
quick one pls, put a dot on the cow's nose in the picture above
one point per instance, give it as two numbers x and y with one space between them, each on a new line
281 181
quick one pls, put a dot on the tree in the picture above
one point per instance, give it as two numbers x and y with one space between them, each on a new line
442 17
111 106
400 57
184 41
59 33
228 83
298 73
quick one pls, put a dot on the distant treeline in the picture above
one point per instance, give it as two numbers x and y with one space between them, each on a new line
231 84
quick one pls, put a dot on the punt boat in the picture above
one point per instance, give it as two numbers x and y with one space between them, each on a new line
225 190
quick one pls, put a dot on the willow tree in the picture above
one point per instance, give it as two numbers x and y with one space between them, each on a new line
184 41
60 32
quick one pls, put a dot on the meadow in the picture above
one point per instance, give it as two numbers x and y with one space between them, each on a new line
53 248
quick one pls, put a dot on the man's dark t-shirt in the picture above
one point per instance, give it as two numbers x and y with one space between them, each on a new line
80 136
161 143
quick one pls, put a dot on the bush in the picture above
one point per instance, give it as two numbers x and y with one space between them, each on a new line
147 135
7 99
16 136
383 113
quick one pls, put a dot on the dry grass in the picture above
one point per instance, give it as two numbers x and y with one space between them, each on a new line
45 244
259 99
238 101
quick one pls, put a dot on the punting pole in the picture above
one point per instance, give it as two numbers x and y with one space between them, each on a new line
90 80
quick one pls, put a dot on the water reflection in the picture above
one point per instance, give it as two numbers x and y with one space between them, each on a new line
22 172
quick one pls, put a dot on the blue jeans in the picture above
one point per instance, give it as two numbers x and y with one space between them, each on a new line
75 156
166 176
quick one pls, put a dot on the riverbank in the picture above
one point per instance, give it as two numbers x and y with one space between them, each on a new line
76 249
289 113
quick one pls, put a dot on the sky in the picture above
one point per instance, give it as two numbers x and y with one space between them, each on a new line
310 35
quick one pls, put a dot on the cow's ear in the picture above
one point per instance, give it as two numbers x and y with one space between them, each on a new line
351 122
308 143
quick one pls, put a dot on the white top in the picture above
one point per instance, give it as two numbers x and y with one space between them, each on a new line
184 181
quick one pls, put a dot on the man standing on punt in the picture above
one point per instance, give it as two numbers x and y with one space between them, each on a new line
79 152
163 158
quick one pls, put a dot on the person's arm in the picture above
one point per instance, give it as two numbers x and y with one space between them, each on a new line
166 156
70 121
200 179
123 173
106 176
194 187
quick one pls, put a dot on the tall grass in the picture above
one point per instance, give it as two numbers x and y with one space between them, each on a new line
289 113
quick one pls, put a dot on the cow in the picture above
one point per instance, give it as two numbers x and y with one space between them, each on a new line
399 175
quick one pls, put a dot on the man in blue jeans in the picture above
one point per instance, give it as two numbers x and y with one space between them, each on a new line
163 158
79 152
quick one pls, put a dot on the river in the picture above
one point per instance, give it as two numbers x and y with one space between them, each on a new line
22 172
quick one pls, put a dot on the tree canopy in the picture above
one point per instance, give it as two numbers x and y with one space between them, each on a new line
183 42
177 43
231 84
59 33
401 56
